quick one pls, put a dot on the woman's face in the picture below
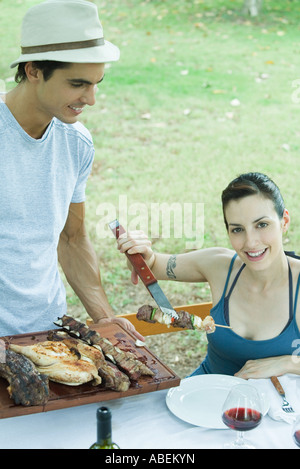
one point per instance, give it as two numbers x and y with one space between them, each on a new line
255 230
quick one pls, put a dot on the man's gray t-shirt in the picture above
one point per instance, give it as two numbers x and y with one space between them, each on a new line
38 181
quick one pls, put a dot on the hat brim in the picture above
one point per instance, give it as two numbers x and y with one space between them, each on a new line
100 54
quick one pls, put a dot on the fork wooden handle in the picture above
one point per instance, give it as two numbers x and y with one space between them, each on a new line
277 385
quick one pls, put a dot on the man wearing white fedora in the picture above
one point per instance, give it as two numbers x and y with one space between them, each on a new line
48 158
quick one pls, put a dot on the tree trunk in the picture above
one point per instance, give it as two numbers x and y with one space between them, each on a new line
252 7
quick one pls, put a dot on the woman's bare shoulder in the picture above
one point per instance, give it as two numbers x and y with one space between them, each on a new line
219 255
212 262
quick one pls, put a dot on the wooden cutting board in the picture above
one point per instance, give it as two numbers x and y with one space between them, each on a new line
63 396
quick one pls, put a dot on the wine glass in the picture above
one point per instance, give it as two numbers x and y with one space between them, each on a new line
296 431
242 412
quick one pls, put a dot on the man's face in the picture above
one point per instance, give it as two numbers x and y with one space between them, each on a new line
68 91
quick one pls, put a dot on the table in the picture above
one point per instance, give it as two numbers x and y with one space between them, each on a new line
141 421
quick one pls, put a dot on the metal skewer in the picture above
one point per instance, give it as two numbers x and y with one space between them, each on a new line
225 327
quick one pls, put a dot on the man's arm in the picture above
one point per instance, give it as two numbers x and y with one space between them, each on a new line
78 260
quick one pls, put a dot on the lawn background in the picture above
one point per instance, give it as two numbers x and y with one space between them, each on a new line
201 93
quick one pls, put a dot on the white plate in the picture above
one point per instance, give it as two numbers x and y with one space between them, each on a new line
199 399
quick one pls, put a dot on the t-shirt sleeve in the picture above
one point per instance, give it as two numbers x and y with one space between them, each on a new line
84 172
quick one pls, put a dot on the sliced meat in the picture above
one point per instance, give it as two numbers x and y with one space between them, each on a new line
127 361
112 377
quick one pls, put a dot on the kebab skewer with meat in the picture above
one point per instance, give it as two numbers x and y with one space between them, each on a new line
185 320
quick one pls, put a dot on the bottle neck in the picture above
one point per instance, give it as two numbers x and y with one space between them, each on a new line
104 432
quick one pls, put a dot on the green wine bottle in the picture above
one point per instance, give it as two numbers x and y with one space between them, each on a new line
104 439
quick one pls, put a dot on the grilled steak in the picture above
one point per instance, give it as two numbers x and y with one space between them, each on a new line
26 385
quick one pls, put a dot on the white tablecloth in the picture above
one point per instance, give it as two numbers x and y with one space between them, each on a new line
141 421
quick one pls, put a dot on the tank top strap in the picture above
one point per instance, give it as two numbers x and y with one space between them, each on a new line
228 274
292 254
296 296
293 307
235 280
226 297
290 294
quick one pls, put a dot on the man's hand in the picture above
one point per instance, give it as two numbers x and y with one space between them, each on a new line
125 323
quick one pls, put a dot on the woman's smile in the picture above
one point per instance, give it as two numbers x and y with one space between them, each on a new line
255 256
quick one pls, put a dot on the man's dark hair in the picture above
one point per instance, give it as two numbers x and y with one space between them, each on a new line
46 66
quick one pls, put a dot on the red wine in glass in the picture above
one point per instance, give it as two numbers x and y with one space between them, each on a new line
242 412
297 438
296 431
241 418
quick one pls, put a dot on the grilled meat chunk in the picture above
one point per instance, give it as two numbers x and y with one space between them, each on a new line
146 313
149 314
26 385
127 361
113 378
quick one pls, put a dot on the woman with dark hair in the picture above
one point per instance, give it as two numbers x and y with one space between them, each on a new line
254 287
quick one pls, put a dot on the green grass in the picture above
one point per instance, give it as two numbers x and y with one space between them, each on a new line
182 64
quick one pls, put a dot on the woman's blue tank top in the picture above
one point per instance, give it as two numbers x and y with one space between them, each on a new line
227 352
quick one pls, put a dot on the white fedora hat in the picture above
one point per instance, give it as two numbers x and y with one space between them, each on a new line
65 31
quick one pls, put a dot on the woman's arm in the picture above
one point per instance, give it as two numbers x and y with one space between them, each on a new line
272 366
195 266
